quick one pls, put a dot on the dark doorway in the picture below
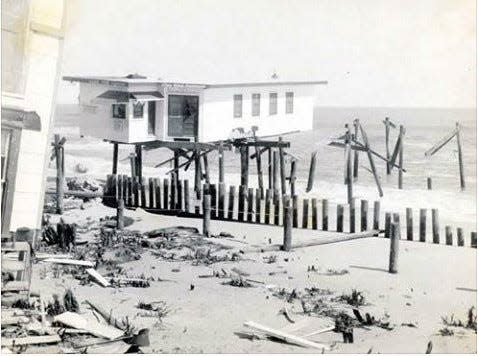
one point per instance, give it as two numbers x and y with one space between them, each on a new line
183 113
151 117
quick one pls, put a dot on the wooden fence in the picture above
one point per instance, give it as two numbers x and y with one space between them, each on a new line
242 204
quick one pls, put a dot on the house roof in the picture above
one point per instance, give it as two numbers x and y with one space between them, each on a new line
138 79
19 118
123 96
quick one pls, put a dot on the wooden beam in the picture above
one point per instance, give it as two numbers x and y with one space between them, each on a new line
460 157
370 158
261 143
356 153
387 144
375 154
440 143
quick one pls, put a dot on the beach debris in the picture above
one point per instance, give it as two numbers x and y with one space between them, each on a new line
157 309
98 277
344 325
138 282
270 259
284 311
64 236
30 340
66 261
70 302
370 320
446 331
55 308
77 321
335 272
320 331
429 348
286 337
469 324
355 298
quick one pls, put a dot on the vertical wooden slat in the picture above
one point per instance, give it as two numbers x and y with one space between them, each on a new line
388 225
448 235
151 192
423 225
222 201
232 194
275 171
400 158
340 218
173 189
179 198
363 215
276 209
282 169
394 245
473 239
460 157
244 151
157 192
240 212
293 173
258 206
143 192
268 215
352 215
409 218
376 215
295 212
250 204
287 241
115 158
269 167
314 214
435 227
459 237
206 215
130 192
136 190
125 189
186 196
166 194
325 214
305 213
429 183
213 191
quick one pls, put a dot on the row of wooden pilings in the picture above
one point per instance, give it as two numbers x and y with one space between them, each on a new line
173 197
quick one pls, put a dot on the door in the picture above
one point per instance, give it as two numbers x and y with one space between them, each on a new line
151 117
183 112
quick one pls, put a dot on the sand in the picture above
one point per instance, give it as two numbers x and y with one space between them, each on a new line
433 281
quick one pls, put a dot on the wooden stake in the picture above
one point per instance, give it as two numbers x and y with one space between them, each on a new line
435 227
473 239
179 200
313 161
400 158
376 215
115 158
356 153
305 214
352 215
206 168
429 183
120 214
242 196
267 214
295 213
448 235
275 173
151 192
409 217
388 225
165 194
250 204
222 203
206 222
258 206
325 214
287 243
423 225
363 215
314 214
387 144
213 193
293 172
394 245
157 188
186 196
232 194
340 218
197 175
282 168
348 164
460 157
244 150
221 163
276 202
459 237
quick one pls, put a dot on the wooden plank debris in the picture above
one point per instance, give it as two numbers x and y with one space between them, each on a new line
65 261
77 321
30 340
98 277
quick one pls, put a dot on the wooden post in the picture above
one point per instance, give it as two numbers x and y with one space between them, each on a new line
394 245
206 221
460 157
293 172
370 159
267 214
295 212
276 202
325 214
409 217
313 161
172 204
142 187
258 206
120 214
130 191
139 162
282 168
120 186
186 196
260 178
60 174
429 183
213 193
305 213
387 144
240 212
348 164
136 190
473 239
232 194
423 225
340 218
356 153
151 192
197 174
314 213
244 150
165 194
206 168
448 235
376 215
363 215
115 158
157 188
222 201
221 163
459 237
132 162
435 227
269 167
388 225
275 170
352 215
250 204
179 199
287 243
400 158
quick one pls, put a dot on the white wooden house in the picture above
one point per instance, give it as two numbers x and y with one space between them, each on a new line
32 40
134 108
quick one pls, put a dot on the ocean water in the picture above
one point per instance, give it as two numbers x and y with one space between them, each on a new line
424 127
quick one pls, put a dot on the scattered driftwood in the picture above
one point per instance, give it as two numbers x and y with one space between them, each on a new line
30 340
77 321
98 277
289 338
70 262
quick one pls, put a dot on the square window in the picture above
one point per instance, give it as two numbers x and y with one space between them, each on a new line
119 111
138 109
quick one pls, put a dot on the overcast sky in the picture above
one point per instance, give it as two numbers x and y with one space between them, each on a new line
398 53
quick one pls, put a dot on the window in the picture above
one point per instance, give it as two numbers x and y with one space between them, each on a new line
256 104
289 102
119 111
273 104
183 114
237 105
138 109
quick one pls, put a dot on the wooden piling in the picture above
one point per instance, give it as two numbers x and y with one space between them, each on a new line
179 199
295 212
241 197
186 196
206 221
267 213
157 188
282 168
130 192
352 215
376 215
244 151
314 214
340 218
165 194
151 192
197 174
232 194
423 225
213 193
258 206
460 157
222 201
136 190
325 214
400 158
269 167
348 164
409 219
356 152
276 202
287 241
473 239
142 187
387 144
429 183
388 225
363 215
250 204
459 237
305 213
173 190
394 246
60 174
120 214
435 227
313 161
448 235
275 170
115 159
293 172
